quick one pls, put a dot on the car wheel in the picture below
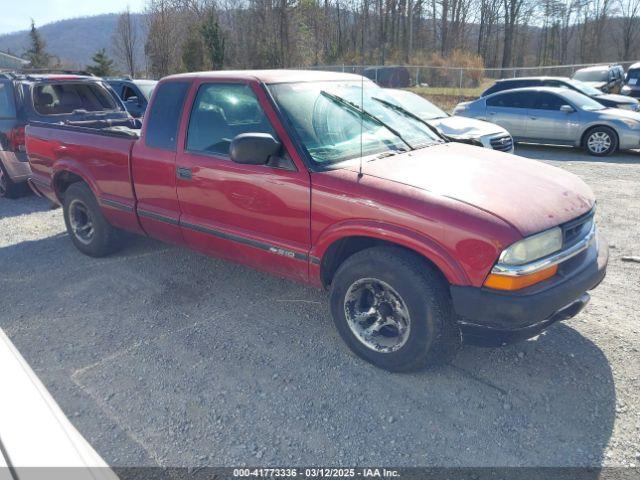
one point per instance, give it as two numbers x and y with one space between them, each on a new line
601 141
8 188
90 232
393 310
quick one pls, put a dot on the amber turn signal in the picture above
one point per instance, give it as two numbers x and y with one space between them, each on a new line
507 282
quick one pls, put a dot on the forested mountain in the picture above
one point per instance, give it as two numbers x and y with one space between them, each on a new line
74 41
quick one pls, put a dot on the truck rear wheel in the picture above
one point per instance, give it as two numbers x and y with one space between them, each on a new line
393 310
90 232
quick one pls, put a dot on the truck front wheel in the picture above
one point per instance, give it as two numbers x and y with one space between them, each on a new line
90 232
393 310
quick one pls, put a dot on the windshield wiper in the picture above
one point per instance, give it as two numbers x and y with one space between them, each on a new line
407 113
361 111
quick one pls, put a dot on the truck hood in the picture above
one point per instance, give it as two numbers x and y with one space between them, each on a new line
463 127
530 195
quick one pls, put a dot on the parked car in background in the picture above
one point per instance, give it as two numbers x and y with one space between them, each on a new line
558 116
135 93
391 76
631 85
453 128
423 243
606 78
606 99
52 98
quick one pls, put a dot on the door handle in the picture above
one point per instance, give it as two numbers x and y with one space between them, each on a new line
533 118
184 173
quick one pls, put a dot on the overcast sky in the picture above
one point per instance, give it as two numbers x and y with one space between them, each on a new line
17 14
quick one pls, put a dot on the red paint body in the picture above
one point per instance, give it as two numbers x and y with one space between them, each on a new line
457 205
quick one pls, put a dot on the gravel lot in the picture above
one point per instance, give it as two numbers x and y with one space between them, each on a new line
161 356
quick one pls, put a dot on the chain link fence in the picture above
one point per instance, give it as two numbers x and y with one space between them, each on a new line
448 86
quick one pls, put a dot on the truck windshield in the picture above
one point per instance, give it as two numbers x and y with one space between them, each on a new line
333 130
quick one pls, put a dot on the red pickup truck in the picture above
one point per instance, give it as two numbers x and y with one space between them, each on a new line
315 176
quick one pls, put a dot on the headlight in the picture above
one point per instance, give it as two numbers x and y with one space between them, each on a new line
628 106
533 247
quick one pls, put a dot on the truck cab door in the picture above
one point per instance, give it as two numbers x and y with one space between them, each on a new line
254 214
154 164
509 110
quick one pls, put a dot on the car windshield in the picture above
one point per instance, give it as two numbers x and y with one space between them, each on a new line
581 101
591 75
328 119
416 104
146 88
584 88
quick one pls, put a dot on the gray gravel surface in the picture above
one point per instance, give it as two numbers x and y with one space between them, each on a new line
161 356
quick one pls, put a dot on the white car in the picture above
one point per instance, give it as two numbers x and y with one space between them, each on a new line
454 128
35 435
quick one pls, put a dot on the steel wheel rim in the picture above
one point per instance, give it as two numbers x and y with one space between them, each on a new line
377 315
81 222
599 142
3 183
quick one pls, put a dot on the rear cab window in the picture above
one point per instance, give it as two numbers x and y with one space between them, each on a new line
67 97
164 115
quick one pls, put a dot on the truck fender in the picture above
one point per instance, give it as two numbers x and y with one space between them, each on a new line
64 165
421 244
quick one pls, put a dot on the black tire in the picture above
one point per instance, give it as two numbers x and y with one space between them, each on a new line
433 336
101 238
8 188
604 133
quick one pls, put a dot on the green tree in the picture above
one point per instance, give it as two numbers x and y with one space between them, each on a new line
213 39
102 64
37 55
192 52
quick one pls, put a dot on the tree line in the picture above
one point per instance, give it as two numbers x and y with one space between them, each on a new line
189 35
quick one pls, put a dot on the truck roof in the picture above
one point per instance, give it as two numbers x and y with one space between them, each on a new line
272 76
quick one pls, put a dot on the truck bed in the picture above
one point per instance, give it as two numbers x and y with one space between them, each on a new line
99 153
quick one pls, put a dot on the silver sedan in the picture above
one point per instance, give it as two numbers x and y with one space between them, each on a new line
557 116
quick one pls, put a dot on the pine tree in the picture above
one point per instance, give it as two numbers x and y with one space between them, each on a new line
36 54
213 39
103 65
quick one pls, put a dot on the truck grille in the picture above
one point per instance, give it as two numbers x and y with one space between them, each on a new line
503 143
577 229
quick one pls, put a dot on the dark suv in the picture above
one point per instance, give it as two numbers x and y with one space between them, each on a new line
51 98
606 99
134 93
607 78
631 85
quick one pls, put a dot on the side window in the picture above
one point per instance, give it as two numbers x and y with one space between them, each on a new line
127 93
221 112
7 101
509 100
164 115
547 101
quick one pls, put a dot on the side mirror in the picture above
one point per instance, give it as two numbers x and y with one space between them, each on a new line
567 109
254 148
